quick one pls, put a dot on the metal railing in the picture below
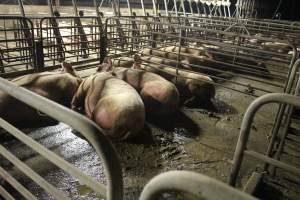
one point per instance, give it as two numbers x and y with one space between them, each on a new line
191 183
222 53
17 47
37 44
87 128
67 39
241 148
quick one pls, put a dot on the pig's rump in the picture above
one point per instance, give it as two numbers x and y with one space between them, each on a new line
160 98
159 95
116 107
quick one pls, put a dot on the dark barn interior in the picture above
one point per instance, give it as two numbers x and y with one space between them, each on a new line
149 100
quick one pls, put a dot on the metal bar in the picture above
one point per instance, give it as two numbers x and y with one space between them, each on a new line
154 7
253 183
183 7
246 126
129 8
21 6
32 174
5 194
88 129
287 122
282 108
176 9
15 184
58 161
166 7
198 185
143 7
84 47
56 31
274 162
191 7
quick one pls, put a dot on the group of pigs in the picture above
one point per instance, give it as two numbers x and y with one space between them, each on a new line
116 97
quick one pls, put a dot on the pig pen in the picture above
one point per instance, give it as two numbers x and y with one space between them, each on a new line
199 138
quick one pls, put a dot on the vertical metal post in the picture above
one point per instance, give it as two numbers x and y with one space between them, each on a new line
224 9
176 9
84 47
198 9
183 7
129 7
204 8
21 6
39 55
29 36
228 8
58 37
143 7
154 7
191 7
166 8
237 9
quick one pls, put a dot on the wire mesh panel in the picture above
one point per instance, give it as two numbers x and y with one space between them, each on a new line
221 55
76 39
17 46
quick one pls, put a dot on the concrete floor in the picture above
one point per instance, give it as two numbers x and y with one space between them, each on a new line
194 139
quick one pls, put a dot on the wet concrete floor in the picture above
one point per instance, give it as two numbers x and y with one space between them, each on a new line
196 139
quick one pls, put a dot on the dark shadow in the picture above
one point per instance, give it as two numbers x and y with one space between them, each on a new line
196 102
179 123
266 192
144 137
214 105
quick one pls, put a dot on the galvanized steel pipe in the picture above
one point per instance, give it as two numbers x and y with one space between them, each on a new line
198 185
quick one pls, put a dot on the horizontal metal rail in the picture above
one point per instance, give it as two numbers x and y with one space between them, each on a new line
231 52
17 44
195 184
88 129
245 132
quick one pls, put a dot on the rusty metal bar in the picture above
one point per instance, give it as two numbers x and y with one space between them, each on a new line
246 126
195 184
88 129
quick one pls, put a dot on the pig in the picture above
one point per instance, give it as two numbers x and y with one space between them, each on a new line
56 86
111 103
160 96
189 57
123 62
276 47
201 60
188 84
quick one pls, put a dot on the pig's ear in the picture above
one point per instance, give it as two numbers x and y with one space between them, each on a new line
110 66
68 68
106 66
